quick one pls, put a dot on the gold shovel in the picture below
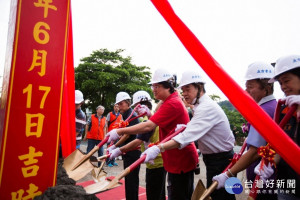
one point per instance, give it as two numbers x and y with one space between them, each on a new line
199 191
106 185
77 164
81 170
101 187
98 174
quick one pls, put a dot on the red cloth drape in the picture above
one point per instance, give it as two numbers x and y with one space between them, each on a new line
67 127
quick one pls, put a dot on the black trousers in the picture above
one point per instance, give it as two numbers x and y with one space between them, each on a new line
132 179
180 186
215 164
156 183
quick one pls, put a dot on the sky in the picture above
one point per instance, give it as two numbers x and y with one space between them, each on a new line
235 32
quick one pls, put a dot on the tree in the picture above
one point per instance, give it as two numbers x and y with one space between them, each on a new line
103 74
236 120
215 97
227 104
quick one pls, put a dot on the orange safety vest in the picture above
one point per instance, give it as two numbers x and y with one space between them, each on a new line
113 120
96 132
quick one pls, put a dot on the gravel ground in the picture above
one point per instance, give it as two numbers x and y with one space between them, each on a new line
114 171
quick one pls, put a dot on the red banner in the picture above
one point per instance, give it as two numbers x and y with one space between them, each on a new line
30 132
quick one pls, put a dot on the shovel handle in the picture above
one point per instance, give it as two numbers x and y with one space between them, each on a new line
236 157
139 161
288 116
253 191
132 112
87 156
103 142
141 115
277 110
103 157
107 137
173 134
143 157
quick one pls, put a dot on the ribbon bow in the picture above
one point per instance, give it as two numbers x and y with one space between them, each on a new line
122 124
267 154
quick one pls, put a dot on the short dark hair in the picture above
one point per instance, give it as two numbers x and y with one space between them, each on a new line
128 101
168 85
200 87
265 85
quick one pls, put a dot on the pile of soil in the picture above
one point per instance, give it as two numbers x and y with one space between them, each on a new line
65 188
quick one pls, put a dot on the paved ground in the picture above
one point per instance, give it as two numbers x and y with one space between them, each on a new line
113 171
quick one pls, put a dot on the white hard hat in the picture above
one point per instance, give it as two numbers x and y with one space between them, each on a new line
160 75
259 70
122 96
189 77
78 97
285 64
139 96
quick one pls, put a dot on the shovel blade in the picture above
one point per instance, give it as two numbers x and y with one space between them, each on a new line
81 170
98 174
101 186
72 159
199 191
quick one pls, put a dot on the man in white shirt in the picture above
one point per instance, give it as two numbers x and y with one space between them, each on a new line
209 126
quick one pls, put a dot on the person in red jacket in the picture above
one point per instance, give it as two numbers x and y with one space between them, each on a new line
96 130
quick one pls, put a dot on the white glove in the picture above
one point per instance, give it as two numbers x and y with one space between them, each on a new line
115 153
151 154
292 99
179 126
144 109
221 178
265 172
111 148
113 136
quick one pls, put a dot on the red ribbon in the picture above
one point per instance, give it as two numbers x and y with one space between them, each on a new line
152 144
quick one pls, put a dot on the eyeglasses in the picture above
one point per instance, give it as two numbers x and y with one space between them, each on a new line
155 87
120 103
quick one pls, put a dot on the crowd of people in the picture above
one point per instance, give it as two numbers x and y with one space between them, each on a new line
173 163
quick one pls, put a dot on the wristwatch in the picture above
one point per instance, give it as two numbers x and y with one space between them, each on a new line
161 147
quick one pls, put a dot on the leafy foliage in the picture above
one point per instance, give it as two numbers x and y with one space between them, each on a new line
215 97
236 120
103 74
227 105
